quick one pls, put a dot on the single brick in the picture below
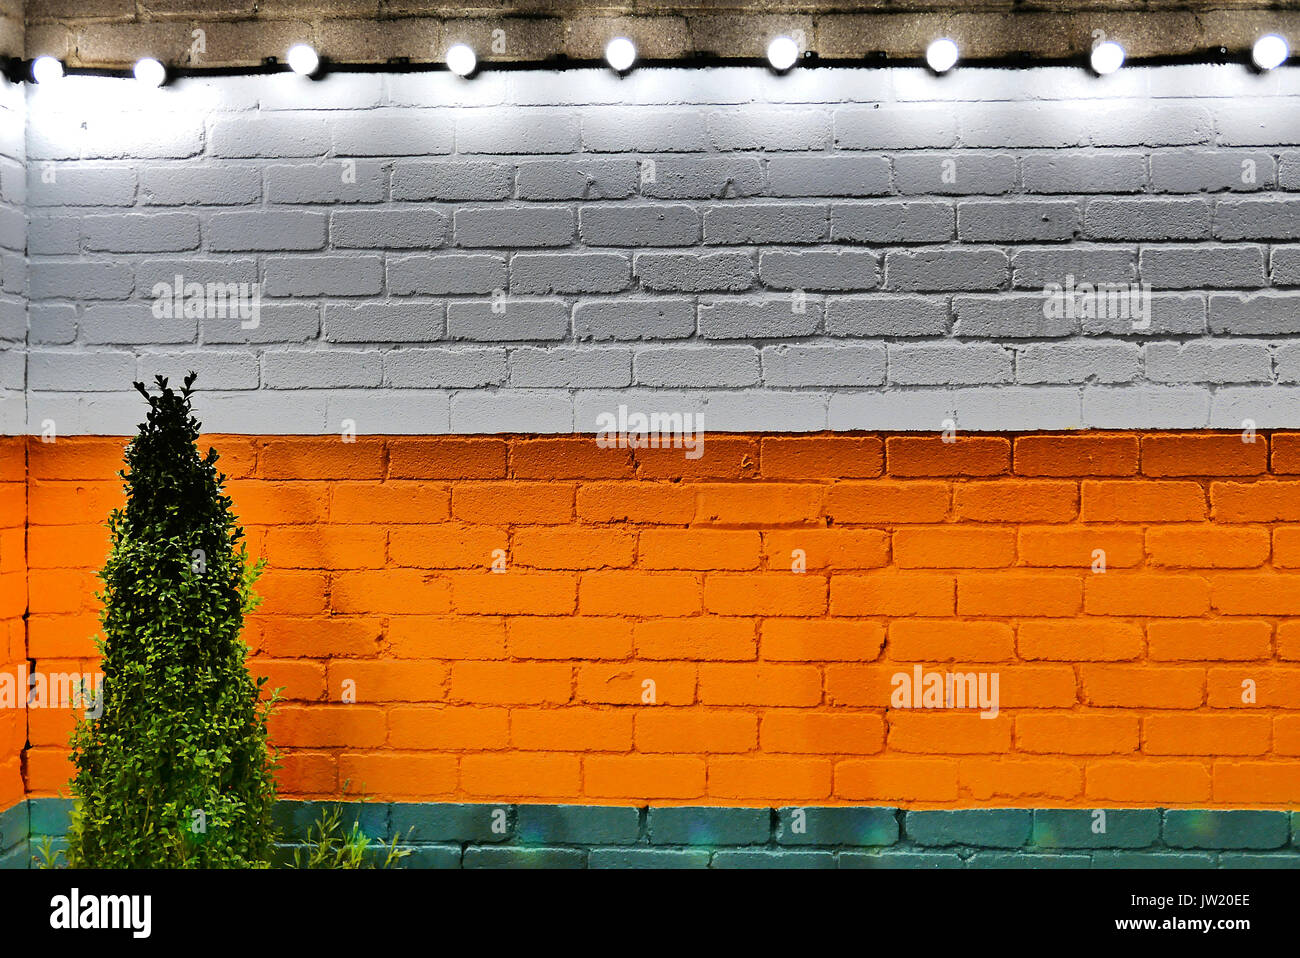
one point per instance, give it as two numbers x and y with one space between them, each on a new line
266 230
1147 219
756 223
695 272
505 856
965 174
1096 828
941 364
1086 173
1225 828
442 273
885 315
700 178
1194 171
687 825
892 222
818 270
387 229
577 825
942 270
639 225
1203 267
412 822
1151 860
348 182
1033 860
510 227
583 178
828 175
906 127
900 858
982 828
569 272
932 456
631 318
297 819
1017 221
762 318
836 826
772 858
649 858
769 128
1257 219
453 180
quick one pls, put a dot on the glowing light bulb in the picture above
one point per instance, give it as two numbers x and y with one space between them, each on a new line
461 60
303 59
941 55
150 72
782 53
620 53
1107 57
1270 51
47 69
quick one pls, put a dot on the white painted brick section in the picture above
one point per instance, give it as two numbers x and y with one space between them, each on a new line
839 248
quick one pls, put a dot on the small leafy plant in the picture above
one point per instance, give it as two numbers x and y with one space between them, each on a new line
330 846
47 856
175 772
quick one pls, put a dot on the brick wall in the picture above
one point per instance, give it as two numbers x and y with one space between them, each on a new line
13 465
114 33
830 267
842 249
1119 684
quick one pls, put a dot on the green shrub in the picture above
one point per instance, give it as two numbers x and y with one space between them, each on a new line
175 772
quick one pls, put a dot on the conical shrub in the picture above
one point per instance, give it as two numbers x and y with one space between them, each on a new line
175 771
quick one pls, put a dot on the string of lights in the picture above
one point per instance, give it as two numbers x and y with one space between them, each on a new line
783 54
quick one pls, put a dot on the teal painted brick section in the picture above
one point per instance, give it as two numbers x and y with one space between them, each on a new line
1237 828
1028 860
13 827
710 826
771 858
1255 860
1157 859
443 822
296 819
983 828
504 856
49 816
1074 828
836 826
649 858
577 825
900 859
431 856
451 835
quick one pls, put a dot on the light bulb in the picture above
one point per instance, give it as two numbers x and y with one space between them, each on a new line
150 72
47 69
782 53
303 59
1107 57
620 53
1270 51
941 55
461 60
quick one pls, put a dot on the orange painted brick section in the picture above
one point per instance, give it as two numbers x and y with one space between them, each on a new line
534 618
14 602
